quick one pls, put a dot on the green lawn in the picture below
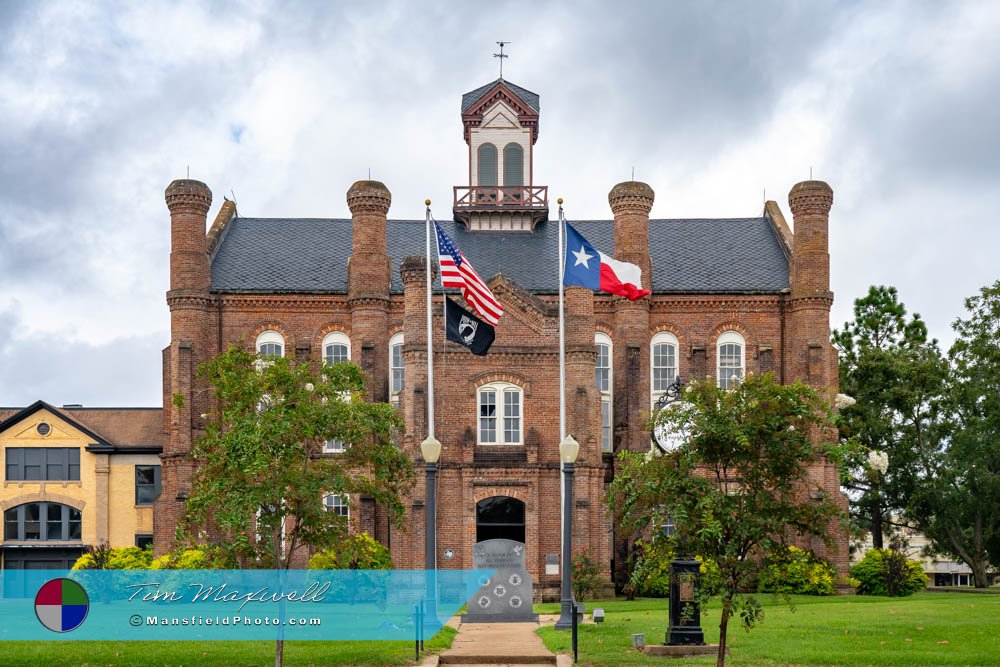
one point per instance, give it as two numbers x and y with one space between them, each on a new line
939 629
210 654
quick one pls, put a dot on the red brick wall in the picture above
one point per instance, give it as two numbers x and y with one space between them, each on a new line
778 329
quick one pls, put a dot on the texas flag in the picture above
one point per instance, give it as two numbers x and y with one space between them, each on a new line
587 267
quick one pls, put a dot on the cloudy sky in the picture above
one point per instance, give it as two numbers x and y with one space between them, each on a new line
286 104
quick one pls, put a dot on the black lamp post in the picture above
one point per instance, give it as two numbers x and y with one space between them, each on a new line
430 448
569 448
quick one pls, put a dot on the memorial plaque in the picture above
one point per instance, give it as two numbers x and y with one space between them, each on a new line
506 596
551 563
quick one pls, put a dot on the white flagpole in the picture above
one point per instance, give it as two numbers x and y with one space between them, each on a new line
430 332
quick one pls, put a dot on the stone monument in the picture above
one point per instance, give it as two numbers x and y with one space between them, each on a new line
506 596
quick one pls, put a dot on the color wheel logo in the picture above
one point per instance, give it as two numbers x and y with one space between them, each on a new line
61 605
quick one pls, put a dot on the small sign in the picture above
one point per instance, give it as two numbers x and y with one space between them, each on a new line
448 554
551 563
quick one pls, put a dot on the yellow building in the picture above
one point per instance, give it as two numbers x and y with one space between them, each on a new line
75 477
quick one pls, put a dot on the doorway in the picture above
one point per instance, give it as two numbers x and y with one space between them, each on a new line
500 517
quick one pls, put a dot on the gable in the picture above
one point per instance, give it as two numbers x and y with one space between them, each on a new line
500 116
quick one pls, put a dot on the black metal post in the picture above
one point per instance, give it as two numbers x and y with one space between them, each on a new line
567 611
576 657
430 543
416 632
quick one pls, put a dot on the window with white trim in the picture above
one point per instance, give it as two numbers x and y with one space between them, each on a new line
271 344
663 363
338 504
730 355
605 386
396 369
336 348
500 414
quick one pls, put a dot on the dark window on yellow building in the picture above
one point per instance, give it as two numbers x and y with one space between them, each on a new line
144 541
147 484
58 464
42 522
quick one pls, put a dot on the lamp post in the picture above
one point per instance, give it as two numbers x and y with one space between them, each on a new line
430 448
569 448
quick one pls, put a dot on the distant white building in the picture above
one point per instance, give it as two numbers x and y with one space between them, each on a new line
940 570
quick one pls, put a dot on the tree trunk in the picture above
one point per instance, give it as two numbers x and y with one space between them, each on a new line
279 653
720 661
979 573
876 512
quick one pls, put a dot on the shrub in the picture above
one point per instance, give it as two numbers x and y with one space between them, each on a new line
586 575
796 570
188 559
356 552
888 572
104 557
650 576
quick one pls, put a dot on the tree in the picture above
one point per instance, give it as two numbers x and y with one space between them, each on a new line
896 377
737 488
957 500
261 476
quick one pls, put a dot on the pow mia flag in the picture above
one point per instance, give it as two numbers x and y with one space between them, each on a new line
466 329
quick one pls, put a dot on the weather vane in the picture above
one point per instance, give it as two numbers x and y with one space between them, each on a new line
501 56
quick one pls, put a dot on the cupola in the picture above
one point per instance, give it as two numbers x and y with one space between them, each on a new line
500 123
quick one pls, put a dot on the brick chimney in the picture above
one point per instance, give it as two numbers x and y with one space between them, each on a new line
189 301
810 202
368 283
631 203
810 357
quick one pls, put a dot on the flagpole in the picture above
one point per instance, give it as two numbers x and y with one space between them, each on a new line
562 328
562 378
430 332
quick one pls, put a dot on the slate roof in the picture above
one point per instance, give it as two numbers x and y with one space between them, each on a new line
309 255
531 99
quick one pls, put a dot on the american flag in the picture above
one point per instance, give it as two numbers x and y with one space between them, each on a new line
457 271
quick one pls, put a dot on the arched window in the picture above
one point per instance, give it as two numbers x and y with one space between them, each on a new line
487 164
513 164
336 348
338 504
605 387
730 354
42 522
500 517
396 369
271 344
663 366
500 414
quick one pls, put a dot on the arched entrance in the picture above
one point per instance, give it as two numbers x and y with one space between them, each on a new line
500 517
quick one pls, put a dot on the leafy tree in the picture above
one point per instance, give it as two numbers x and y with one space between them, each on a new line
738 488
357 552
261 475
896 377
957 500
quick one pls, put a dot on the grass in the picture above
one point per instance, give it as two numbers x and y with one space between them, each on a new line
939 629
211 654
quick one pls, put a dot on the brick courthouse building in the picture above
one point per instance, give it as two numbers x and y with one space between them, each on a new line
730 296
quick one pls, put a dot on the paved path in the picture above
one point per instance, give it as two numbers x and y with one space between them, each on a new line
497 644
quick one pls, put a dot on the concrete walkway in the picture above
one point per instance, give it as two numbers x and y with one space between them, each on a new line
497 644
